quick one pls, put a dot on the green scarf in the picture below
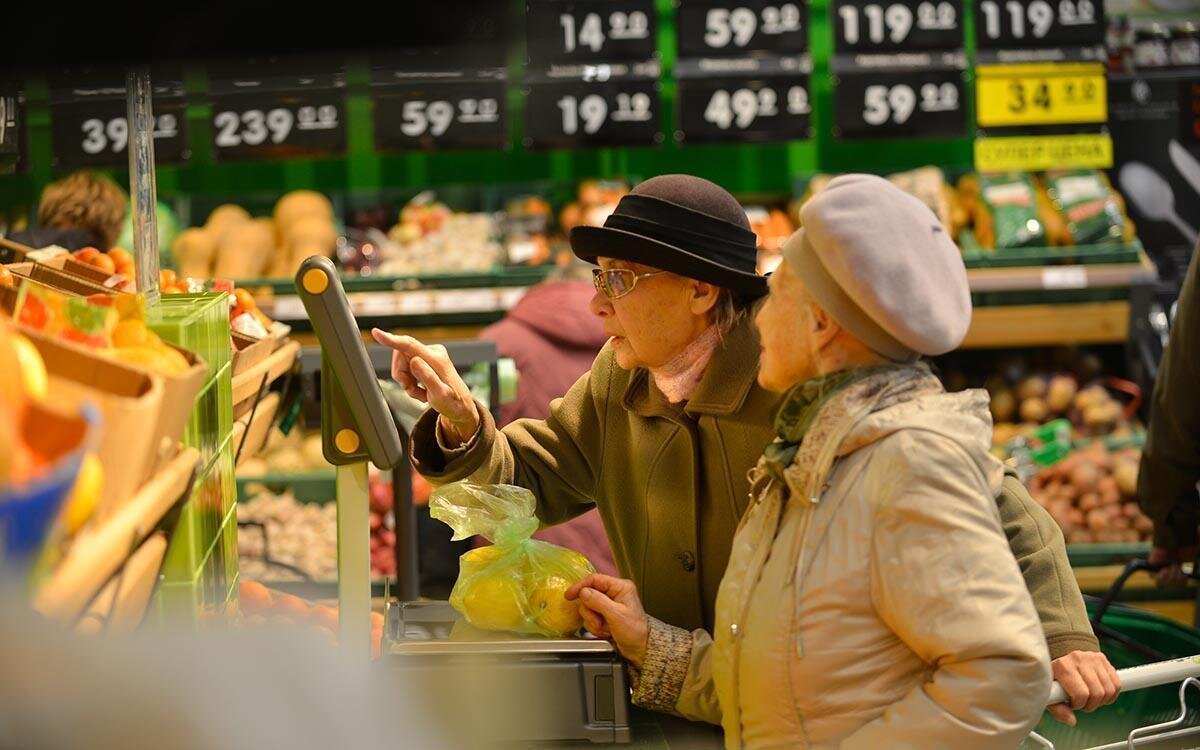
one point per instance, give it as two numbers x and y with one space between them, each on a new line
800 407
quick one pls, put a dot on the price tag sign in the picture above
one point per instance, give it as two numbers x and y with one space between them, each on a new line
1064 277
865 26
279 124
1001 24
288 307
1040 152
726 109
466 300
1048 94
441 115
728 27
908 104
582 113
590 30
96 133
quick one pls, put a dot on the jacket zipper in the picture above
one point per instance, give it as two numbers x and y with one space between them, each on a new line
736 639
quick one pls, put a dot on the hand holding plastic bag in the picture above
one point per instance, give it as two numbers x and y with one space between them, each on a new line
518 583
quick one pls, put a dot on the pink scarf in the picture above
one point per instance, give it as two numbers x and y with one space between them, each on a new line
679 378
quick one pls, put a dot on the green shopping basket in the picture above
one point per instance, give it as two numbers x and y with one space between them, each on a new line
1153 655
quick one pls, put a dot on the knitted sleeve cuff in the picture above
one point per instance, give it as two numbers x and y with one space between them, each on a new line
656 686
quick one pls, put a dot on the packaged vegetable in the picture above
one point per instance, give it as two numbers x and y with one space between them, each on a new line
1004 210
1086 200
518 583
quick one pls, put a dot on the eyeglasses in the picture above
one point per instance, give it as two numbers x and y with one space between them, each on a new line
617 282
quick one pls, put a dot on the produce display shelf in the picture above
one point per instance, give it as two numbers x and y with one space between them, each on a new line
1093 555
1057 277
975 256
505 276
250 434
247 384
307 487
1048 325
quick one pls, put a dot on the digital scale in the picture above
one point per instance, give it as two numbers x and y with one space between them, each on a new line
540 690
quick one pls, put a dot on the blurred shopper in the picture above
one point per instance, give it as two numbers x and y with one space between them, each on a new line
84 209
553 338
871 599
1171 459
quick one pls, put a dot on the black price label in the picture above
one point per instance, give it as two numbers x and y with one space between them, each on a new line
864 26
877 104
590 30
721 27
441 115
279 124
714 110
10 124
1006 24
96 133
592 114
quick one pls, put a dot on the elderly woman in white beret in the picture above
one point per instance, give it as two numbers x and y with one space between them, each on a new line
871 599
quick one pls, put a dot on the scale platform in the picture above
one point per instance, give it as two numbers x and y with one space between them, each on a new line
524 690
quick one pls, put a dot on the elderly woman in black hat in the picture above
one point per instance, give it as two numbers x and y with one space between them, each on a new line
661 433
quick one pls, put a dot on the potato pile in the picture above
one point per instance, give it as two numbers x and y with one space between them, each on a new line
1037 399
233 245
1092 495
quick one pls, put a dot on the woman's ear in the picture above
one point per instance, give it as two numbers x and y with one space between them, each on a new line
703 296
824 328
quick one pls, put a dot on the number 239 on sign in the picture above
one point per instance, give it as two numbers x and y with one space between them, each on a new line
1054 94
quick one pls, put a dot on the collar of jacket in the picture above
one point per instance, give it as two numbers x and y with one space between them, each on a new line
727 381
799 407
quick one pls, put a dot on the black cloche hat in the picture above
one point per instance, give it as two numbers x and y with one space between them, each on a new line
682 224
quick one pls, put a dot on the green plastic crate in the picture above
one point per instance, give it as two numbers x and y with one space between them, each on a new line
200 522
196 322
207 593
211 423
976 256
229 538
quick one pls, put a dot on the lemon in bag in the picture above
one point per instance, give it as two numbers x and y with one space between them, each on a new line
517 584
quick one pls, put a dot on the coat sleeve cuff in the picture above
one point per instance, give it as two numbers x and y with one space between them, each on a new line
435 461
1067 643
657 685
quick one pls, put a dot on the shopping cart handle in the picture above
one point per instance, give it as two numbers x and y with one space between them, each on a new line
1147 675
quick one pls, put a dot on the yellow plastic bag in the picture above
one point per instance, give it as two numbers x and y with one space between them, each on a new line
517 583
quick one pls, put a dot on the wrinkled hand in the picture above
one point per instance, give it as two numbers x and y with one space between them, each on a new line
1171 574
612 610
427 374
1089 681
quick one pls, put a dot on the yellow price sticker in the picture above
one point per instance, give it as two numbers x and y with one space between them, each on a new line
1049 94
1037 153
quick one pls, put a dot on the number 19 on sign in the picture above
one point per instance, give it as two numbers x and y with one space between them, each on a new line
592 111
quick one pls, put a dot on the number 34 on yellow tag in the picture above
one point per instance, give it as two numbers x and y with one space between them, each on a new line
1042 94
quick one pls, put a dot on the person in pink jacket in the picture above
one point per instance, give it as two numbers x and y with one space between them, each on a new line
553 338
